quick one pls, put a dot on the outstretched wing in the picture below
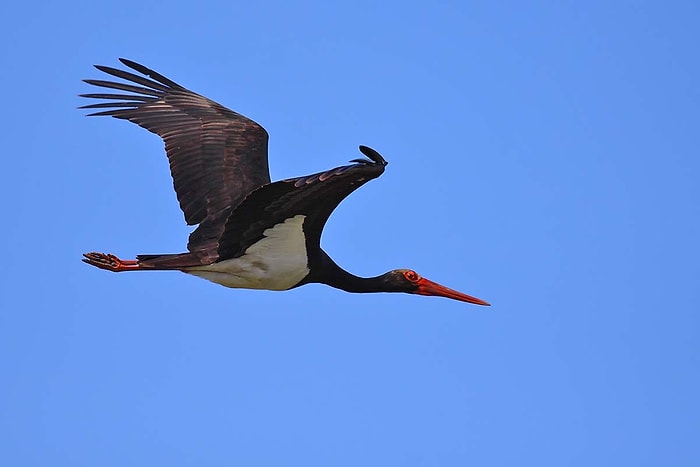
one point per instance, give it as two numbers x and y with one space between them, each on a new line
314 196
217 156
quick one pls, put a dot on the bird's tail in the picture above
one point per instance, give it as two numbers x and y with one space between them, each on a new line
168 261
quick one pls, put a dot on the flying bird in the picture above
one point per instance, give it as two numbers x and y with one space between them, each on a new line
251 233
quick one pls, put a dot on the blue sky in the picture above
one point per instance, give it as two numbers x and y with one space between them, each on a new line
543 156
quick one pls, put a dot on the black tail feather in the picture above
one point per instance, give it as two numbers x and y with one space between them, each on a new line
169 261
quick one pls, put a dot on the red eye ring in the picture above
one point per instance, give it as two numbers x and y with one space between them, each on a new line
411 276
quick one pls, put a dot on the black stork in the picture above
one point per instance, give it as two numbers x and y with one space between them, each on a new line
251 233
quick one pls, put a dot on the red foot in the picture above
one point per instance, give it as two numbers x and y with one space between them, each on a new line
110 262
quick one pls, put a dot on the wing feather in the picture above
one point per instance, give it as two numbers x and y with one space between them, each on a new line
314 196
217 156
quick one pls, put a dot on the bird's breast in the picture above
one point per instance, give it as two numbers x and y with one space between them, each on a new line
278 261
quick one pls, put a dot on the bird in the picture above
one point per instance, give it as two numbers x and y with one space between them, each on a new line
251 232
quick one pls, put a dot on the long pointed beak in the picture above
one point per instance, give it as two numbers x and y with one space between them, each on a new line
426 287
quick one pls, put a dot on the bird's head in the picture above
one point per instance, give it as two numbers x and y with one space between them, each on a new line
409 281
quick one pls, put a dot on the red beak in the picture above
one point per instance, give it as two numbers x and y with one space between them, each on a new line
426 287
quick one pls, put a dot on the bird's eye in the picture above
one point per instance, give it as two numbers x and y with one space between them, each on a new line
411 276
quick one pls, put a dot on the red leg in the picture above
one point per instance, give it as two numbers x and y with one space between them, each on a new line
110 262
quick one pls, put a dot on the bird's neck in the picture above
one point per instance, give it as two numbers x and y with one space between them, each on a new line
337 277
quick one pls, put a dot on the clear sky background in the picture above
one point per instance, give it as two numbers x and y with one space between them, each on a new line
543 156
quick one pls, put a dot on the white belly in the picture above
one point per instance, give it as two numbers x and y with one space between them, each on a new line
276 262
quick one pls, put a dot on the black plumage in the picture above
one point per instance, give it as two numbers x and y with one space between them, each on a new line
217 156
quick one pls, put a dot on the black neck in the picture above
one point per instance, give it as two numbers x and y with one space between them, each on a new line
329 273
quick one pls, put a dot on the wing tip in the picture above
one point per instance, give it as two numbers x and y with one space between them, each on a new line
373 156
130 63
